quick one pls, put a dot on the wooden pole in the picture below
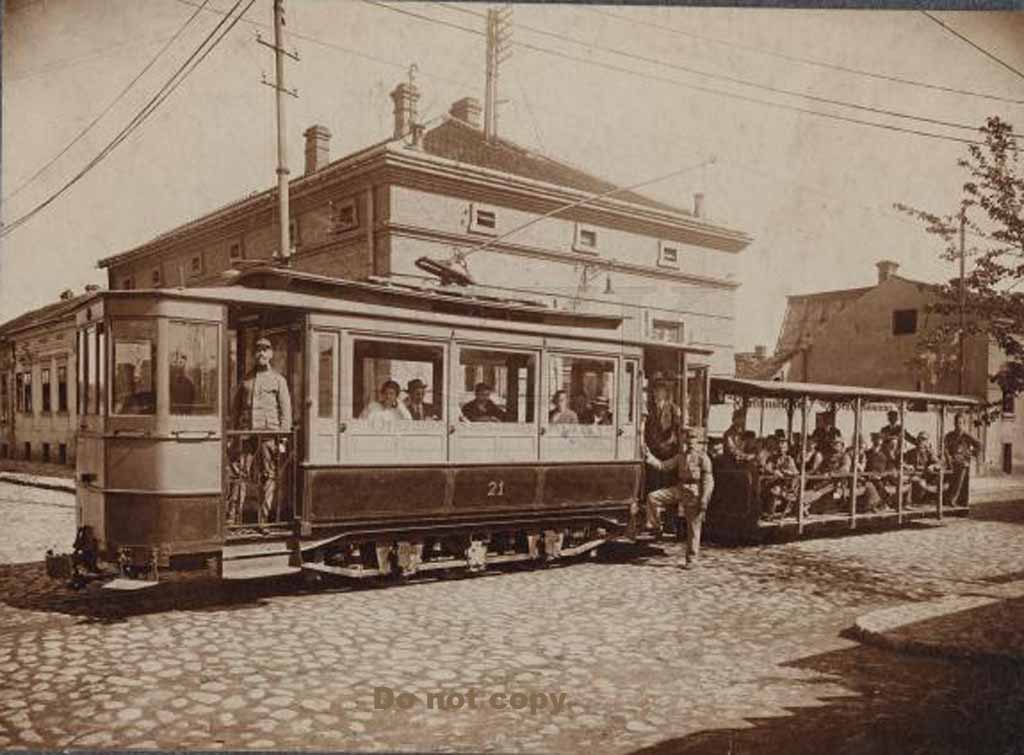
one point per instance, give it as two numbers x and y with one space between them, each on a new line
803 466
789 419
760 432
899 455
855 456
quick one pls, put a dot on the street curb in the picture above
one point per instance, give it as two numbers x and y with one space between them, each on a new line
47 483
886 628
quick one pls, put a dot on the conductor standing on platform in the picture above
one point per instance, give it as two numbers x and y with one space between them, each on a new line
691 494
262 402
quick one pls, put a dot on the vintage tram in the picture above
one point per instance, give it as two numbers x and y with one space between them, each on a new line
358 493
756 502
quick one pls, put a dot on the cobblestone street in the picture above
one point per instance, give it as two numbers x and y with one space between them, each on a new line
744 654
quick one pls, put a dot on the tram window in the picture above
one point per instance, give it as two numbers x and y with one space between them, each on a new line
505 381
627 397
92 374
590 385
696 395
325 380
134 366
193 356
379 366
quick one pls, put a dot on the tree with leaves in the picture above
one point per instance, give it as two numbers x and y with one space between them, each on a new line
990 210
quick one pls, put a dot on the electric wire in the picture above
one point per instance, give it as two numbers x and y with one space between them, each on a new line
976 46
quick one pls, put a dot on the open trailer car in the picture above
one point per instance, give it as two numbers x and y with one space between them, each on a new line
754 504
163 481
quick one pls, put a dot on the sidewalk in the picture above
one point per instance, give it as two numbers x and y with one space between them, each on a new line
37 481
986 624
991 489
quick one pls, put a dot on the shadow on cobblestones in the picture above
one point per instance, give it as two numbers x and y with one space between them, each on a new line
999 511
26 587
898 705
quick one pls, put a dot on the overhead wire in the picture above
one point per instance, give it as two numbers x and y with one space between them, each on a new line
120 95
732 79
979 48
808 61
184 70
697 87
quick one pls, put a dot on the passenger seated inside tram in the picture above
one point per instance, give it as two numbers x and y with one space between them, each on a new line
831 466
894 429
582 408
602 412
779 479
562 414
416 390
924 468
481 408
388 408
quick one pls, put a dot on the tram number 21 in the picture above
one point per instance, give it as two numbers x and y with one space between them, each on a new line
495 488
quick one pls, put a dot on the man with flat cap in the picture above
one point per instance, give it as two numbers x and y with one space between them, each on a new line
690 495
262 402
481 408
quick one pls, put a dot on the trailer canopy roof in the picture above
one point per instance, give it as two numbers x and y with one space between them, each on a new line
777 389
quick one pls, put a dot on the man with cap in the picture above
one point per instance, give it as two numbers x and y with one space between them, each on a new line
690 495
418 410
262 402
660 433
481 408
958 448
894 429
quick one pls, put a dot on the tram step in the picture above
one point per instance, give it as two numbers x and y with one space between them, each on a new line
258 566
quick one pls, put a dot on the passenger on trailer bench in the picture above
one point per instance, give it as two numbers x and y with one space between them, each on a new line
262 402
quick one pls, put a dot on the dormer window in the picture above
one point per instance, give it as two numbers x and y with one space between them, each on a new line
196 264
236 251
344 215
155 278
128 283
483 219
668 255
586 239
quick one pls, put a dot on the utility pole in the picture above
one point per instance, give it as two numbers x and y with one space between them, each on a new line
499 38
963 301
285 248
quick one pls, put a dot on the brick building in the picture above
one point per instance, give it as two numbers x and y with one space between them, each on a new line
869 336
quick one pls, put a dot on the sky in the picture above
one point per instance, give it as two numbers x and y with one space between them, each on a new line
815 194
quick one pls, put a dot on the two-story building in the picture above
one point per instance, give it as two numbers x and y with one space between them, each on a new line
871 336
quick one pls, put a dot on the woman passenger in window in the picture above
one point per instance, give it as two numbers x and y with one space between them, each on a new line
388 408
562 414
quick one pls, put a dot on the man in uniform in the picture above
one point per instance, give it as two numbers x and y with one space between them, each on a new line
959 448
690 495
262 402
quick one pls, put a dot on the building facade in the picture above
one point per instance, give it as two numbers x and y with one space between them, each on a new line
872 336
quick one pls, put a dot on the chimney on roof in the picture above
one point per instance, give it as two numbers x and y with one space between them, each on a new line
760 351
405 96
467 110
92 288
886 269
67 294
698 204
318 147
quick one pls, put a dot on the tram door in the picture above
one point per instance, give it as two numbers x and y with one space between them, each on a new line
628 411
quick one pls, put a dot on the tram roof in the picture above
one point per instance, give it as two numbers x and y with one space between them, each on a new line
778 389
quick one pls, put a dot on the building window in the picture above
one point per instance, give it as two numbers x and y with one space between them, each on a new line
3 399
586 239
236 251
28 451
3 451
293 233
62 453
1009 403
28 392
46 452
155 278
195 265
128 283
45 386
19 392
904 322
670 331
344 216
62 389
193 367
483 219
668 255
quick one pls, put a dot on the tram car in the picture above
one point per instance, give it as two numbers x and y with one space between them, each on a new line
818 459
525 444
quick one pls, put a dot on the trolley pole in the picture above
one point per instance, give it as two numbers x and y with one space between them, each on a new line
278 84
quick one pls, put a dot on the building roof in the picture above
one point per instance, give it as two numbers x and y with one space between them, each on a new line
462 142
48 313
750 366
